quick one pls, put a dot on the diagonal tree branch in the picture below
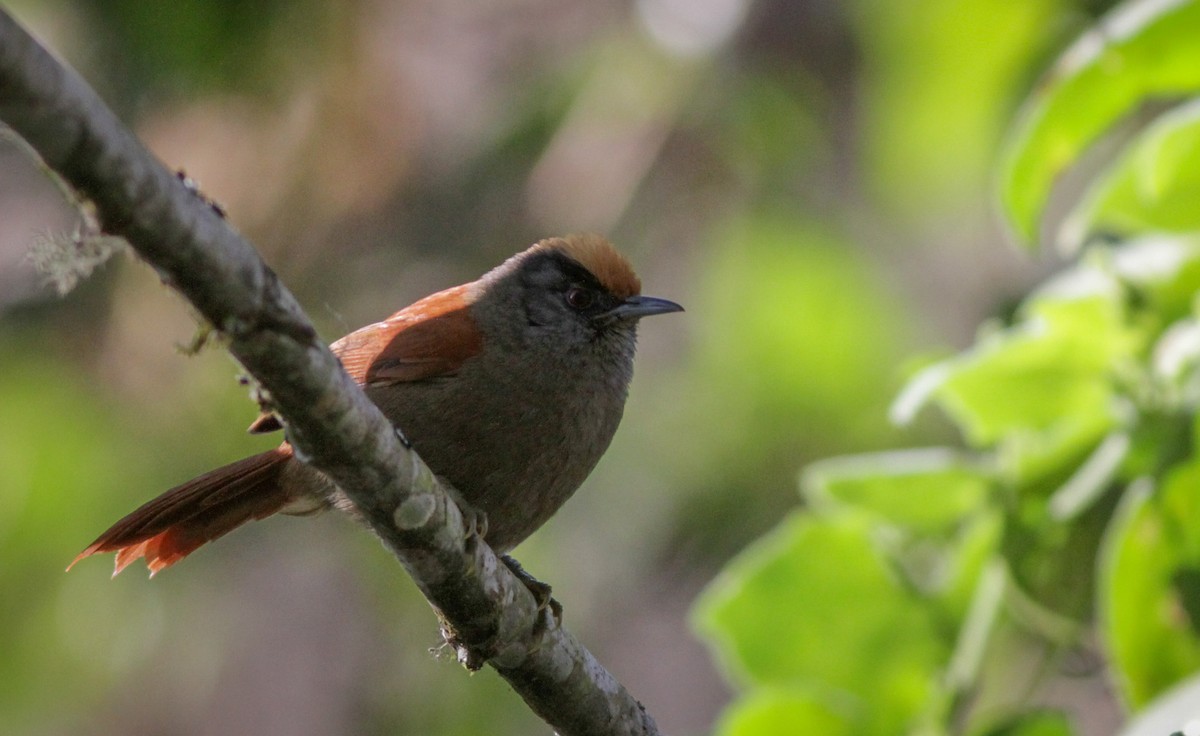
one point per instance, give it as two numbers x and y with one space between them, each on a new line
487 613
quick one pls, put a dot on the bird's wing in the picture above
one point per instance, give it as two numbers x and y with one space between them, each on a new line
430 338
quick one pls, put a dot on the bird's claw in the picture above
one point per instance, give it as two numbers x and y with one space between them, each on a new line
475 521
542 592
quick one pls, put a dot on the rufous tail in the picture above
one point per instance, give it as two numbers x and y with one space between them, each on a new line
168 528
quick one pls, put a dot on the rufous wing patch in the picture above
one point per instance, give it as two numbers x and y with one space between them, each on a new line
430 338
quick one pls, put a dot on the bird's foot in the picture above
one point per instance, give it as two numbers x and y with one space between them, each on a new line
541 591
475 521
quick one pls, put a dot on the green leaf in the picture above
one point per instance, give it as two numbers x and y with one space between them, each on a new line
1046 374
1141 49
813 604
932 505
927 491
1041 461
1153 186
1153 545
774 711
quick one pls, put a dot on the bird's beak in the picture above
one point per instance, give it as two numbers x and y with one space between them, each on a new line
636 307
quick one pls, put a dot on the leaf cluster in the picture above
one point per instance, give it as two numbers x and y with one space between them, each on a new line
938 590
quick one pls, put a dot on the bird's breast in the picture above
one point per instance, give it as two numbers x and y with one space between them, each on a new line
515 445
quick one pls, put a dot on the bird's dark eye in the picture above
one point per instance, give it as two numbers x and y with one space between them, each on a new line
580 299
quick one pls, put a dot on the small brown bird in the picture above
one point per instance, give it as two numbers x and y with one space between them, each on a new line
509 387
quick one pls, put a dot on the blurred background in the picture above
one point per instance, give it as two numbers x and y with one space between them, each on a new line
812 179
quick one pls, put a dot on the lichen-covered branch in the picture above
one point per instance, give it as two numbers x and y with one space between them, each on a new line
488 613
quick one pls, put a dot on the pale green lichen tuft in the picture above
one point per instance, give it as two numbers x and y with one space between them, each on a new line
66 260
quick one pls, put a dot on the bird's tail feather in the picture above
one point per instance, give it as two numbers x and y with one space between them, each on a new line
168 528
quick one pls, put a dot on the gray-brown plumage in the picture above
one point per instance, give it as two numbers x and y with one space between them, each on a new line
510 388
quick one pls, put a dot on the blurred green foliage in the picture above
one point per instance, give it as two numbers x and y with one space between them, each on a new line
1073 506
194 46
797 324
1151 188
871 676
1135 54
940 76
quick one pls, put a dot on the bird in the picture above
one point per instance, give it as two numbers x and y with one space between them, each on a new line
509 387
